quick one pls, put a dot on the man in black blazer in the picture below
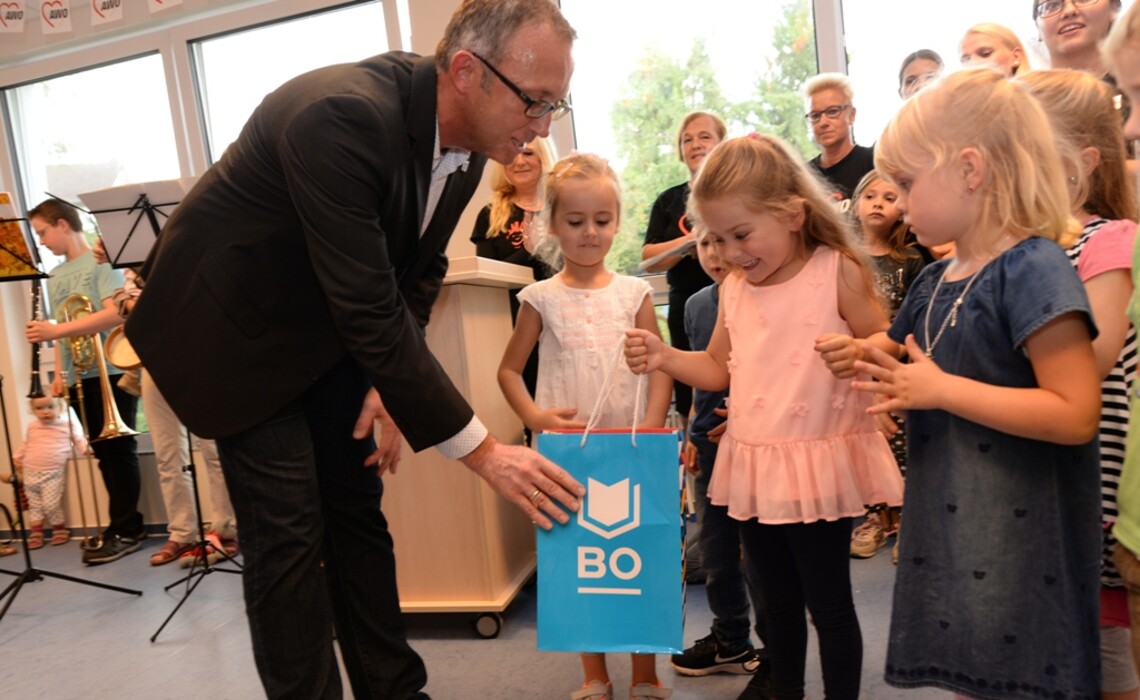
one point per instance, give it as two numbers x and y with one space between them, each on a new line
295 281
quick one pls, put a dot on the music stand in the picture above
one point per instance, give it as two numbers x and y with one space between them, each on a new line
130 217
201 547
19 259
129 225
30 572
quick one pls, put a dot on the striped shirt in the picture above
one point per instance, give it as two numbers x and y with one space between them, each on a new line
1105 246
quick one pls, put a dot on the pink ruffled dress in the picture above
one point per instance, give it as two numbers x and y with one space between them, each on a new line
799 446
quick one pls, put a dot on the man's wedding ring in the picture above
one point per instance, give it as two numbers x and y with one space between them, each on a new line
534 496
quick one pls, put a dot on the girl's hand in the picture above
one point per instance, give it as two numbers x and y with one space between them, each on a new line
715 433
901 386
886 425
885 422
555 419
839 352
689 458
643 351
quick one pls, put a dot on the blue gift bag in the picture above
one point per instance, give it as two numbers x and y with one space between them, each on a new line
611 579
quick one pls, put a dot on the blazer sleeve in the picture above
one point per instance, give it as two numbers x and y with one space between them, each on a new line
343 162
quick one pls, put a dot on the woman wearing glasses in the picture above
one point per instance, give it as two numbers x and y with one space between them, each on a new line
831 116
1073 29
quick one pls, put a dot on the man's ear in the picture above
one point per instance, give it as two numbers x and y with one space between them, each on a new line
462 73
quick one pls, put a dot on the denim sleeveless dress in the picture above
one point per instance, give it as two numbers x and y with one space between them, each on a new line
999 561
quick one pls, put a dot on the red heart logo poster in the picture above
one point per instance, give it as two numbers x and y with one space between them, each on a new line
104 11
56 15
11 17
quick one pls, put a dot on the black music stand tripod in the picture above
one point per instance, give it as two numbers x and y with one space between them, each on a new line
31 573
201 547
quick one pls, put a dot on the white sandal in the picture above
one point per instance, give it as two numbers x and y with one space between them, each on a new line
645 691
594 690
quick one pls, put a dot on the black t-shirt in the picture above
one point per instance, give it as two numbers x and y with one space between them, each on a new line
845 175
508 245
667 222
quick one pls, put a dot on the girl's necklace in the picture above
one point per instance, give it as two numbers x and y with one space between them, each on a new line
951 317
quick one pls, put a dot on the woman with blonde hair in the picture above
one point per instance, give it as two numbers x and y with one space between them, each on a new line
996 46
670 230
506 228
503 229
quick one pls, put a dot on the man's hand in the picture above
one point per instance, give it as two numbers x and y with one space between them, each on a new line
390 441
527 479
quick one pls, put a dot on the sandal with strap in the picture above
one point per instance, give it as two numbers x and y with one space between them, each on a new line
60 535
645 691
169 552
5 550
594 690
36 539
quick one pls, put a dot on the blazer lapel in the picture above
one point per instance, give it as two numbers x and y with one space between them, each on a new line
421 121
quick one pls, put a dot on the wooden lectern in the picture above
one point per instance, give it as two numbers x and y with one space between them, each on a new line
460 547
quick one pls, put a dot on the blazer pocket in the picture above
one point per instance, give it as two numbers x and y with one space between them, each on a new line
232 297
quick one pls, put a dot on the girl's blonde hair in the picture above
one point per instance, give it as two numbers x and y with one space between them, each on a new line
502 191
1024 185
576 166
898 238
1082 110
1006 36
1125 30
765 175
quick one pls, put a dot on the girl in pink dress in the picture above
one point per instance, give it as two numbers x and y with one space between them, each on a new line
800 455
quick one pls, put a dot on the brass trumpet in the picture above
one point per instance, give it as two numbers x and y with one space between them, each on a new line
87 352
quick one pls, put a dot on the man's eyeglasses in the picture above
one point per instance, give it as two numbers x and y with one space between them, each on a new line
1051 7
535 109
830 113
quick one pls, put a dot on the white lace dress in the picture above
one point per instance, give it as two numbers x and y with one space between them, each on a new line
583 332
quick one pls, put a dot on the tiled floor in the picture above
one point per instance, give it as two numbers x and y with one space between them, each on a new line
63 640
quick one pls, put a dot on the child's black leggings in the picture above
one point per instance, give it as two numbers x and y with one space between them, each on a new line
807 565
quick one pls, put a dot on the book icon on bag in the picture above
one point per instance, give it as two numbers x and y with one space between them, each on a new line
611 509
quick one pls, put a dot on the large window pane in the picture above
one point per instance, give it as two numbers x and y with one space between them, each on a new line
638 72
235 71
92 129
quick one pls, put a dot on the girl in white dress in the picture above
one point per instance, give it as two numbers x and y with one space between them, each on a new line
578 318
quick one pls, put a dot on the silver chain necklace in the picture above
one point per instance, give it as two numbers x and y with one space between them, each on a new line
951 317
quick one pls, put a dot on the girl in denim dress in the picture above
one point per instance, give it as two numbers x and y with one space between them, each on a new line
998 575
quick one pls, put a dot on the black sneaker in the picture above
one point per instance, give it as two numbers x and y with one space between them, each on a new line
114 547
759 685
706 657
